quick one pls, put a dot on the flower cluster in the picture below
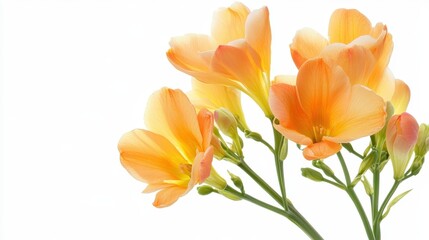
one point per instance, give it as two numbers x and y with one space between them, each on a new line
343 91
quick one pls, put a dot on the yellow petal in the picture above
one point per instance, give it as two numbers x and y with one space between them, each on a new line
322 90
365 115
401 97
347 24
215 96
168 196
170 113
321 150
383 85
258 35
293 122
306 44
228 23
150 157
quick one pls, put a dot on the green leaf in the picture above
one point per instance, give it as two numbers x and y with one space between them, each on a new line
393 202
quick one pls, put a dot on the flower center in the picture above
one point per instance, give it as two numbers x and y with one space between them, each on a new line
318 133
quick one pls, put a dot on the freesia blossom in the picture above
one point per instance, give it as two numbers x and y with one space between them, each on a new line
174 154
237 54
324 109
363 51
215 96
401 137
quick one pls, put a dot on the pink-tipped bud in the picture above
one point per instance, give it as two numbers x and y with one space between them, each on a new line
401 137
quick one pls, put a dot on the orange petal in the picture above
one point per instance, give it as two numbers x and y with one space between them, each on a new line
228 23
347 24
150 157
401 97
322 90
168 196
356 61
258 35
170 113
287 79
185 51
293 122
365 115
306 44
239 62
201 167
321 150
205 122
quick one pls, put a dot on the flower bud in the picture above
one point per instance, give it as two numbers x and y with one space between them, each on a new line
401 137
422 145
218 151
312 174
226 122
237 181
205 190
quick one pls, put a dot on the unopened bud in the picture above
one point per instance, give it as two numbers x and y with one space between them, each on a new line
368 188
237 181
422 145
226 122
367 162
325 168
205 190
312 174
417 164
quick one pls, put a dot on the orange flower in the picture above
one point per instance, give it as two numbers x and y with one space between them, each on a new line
324 110
175 153
237 55
401 137
361 50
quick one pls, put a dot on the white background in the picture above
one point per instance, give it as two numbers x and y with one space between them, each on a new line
76 76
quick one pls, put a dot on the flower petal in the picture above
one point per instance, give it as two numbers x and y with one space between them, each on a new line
287 79
293 122
258 35
201 168
228 23
321 150
185 51
150 157
347 24
205 122
168 196
365 115
306 44
356 61
401 97
322 88
170 113
215 96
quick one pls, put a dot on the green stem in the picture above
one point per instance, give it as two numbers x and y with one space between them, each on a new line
261 182
292 216
378 218
350 191
278 142
338 185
